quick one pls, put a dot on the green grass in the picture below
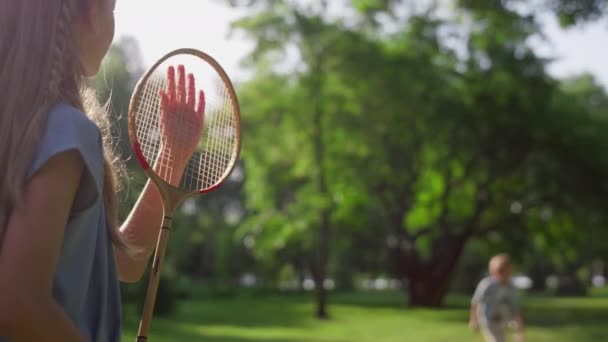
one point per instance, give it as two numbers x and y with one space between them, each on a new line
364 317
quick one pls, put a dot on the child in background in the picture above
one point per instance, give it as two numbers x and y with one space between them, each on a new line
495 302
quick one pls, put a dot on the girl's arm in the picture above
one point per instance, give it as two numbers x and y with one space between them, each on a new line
29 254
141 229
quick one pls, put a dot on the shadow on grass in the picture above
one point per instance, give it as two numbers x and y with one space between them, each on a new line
178 336
550 317
371 299
239 319
224 321
244 313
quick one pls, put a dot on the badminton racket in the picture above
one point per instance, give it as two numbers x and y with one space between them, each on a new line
184 127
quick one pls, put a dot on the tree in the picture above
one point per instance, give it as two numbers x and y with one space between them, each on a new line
495 163
448 146
293 182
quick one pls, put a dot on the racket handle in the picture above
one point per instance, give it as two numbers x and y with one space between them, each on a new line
159 256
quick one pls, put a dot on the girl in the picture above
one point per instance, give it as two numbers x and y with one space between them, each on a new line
62 252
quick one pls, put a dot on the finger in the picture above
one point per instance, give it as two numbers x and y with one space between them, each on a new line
164 103
164 100
171 85
181 84
191 92
200 111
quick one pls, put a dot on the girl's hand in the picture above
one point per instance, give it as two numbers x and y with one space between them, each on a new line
181 119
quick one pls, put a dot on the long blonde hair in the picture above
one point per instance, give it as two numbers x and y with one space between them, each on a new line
40 66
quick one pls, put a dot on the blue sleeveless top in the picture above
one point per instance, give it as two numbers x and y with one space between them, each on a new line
86 281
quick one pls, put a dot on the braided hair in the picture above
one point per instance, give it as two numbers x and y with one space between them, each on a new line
31 85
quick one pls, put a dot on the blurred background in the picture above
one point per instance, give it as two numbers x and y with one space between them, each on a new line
390 148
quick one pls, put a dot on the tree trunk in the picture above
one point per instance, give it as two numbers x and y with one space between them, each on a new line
318 142
539 272
299 266
426 293
320 269
430 281
321 298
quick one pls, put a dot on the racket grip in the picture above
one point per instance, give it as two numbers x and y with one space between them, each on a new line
159 256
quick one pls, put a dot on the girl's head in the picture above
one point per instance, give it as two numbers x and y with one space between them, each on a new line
47 50
94 31
500 268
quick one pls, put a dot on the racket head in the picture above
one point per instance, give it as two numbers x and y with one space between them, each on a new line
218 148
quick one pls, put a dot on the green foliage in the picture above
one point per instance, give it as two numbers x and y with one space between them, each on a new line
571 12
371 7
568 12
435 145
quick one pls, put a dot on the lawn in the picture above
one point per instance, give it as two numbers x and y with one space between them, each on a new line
363 317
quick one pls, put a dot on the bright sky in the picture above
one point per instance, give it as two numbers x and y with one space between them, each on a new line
201 24
204 25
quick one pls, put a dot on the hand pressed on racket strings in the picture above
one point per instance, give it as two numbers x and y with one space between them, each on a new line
181 124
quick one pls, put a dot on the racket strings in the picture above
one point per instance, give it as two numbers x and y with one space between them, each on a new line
212 164
148 135
215 151
148 131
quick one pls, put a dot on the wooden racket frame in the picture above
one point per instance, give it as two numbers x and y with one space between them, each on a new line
171 195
